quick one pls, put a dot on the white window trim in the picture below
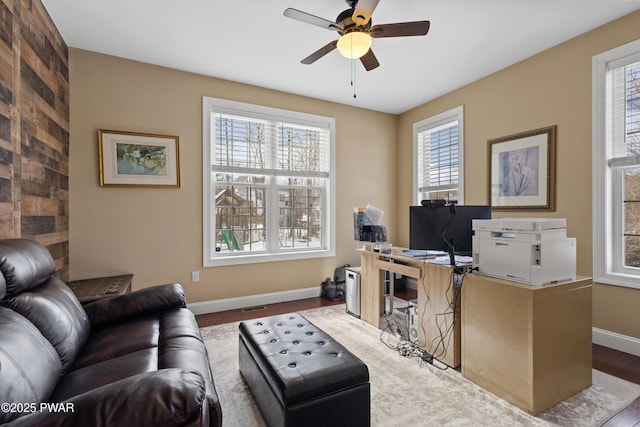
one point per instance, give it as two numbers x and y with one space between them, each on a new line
215 104
456 113
605 221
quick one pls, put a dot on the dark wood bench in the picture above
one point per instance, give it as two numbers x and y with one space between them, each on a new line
300 376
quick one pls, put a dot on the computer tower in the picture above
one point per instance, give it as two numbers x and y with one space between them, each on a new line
352 294
413 321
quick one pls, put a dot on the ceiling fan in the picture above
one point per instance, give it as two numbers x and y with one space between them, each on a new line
356 31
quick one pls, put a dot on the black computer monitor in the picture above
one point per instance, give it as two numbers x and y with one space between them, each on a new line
443 227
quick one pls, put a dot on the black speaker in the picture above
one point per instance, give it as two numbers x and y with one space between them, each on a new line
433 203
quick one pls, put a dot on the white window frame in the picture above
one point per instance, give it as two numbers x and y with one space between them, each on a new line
608 189
456 113
213 259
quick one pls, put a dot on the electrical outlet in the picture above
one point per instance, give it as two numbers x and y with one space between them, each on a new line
195 276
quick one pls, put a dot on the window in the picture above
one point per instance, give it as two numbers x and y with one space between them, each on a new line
267 184
616 164
438 157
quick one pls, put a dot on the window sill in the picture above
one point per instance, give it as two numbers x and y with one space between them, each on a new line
238 259
619 279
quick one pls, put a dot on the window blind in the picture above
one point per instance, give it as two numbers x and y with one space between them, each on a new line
248 145
623 104
438 157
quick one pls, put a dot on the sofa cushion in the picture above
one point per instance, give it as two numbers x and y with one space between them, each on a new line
119 340
54 309
165 340
24 264
181 346
3 287
29 366
168 339
100 374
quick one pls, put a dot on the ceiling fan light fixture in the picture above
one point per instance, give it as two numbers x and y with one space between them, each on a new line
354 44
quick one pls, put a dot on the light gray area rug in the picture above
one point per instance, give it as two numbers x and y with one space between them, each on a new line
406 392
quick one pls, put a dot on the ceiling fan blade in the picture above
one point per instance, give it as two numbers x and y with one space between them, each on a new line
308 18
401 29
363 11
320 53
369 60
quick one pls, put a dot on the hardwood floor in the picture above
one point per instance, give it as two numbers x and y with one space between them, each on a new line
613 362
262 311
622 365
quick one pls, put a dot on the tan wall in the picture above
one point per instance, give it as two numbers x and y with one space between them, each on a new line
156 233
552 88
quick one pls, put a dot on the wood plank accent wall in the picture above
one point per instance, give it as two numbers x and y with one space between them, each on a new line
34 129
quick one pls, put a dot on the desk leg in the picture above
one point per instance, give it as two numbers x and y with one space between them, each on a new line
391 275
371 290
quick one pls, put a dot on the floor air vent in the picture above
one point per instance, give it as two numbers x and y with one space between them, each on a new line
254 308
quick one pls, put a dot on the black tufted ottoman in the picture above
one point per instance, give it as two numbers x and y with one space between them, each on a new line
300 376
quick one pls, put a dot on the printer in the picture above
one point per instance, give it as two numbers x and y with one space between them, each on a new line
534 251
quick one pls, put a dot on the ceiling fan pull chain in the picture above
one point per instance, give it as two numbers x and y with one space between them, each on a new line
353 76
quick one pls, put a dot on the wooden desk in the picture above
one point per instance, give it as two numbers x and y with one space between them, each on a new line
88 290
438 301
439 314
530 345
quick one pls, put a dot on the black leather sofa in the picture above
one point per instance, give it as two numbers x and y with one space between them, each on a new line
133 360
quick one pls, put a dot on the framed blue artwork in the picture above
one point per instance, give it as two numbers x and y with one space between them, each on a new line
521 170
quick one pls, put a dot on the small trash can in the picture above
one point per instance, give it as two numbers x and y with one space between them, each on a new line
352 294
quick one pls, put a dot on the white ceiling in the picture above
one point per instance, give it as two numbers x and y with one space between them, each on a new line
250 41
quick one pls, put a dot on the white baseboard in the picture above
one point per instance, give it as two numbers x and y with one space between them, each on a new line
252 300
616 341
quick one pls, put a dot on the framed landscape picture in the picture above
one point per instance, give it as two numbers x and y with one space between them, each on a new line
522 170
138 159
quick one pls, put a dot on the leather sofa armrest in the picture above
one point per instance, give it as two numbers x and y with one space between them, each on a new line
168 397
135 304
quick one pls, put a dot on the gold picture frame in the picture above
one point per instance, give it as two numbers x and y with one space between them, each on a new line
522 171
133 159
